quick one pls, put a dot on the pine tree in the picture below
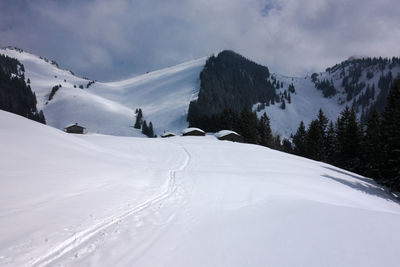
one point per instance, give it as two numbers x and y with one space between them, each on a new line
276 142
42 119
391 137
323 122
348 140
264 131
139 118
283 104
315 141
248 126
289 99
373 155
287 146
151 131
229 119
299 140
330 144
291 88
145 129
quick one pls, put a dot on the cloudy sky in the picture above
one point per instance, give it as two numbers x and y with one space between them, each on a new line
109 40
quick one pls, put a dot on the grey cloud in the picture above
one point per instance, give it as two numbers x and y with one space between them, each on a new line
112 39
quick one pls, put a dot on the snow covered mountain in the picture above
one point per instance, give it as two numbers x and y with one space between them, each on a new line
96 200
164 95
109 108
359 82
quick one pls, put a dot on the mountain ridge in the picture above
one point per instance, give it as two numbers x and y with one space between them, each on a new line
164 95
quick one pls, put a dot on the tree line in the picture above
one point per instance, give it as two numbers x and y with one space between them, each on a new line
15 95
370 148
254 130
230 81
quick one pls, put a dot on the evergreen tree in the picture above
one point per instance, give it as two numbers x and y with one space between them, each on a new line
315 141
373 155
287 146
145 129
283 104
139 119
291 88
330 144
53 92
151 131
299 140
276 143
264 131
322 121
229 119
248 126
289 99
348 140
391 137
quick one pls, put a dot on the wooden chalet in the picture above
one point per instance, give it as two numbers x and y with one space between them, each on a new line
75 129
193 132
229 136
168 134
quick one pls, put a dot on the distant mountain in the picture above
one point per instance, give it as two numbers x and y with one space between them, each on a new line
229 80
225 80
109 108
360 82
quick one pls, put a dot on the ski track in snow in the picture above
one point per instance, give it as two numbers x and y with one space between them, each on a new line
82 237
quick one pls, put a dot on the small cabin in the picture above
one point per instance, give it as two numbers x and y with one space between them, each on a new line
168 134
75 129
193 132
229 136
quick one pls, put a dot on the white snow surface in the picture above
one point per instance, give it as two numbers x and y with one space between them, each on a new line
224 133
97 200
305 105
109 108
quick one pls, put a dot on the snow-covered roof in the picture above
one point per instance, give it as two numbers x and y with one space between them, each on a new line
225 132
73 124
191 129
167 134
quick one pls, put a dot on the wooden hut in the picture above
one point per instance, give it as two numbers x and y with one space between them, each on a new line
75 129
168 134
193 132
229 136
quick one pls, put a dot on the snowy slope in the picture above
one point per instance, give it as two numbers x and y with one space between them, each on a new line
307 100
109 108
98 200
305 104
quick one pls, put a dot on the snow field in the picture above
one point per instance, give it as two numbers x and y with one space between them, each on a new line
96 200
